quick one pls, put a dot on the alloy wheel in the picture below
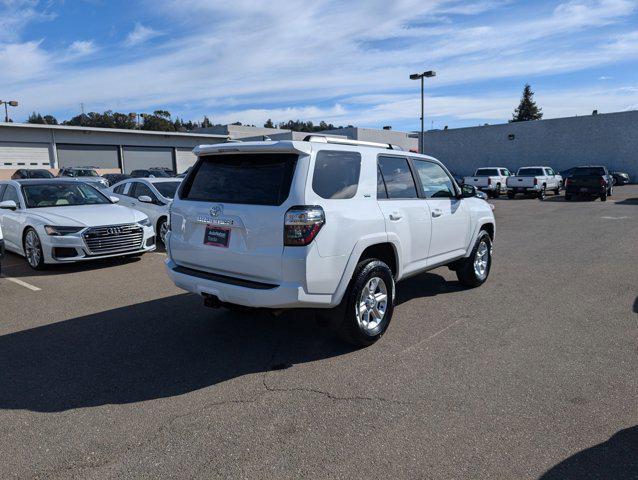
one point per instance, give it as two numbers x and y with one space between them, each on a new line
372 305
481 260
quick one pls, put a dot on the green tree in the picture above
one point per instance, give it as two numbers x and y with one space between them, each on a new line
159 121
527 108
206 123
50 120
35 118
269 124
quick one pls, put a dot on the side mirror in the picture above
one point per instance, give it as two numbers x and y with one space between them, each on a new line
8 205
145 199
468 191
114 199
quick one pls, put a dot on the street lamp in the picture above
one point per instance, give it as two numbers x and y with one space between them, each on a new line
421 76
11 103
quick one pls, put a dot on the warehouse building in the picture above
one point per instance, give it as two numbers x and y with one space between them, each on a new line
609 139
57 146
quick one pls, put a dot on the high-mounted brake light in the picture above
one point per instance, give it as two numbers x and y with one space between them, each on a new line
302 224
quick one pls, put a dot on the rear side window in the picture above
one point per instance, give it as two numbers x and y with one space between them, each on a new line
246 178
397 177
120 188
336 174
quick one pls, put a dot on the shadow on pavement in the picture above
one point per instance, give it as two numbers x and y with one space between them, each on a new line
616 459
162 348
16 266
155 349
627 201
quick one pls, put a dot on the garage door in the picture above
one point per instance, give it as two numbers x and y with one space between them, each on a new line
138 158
24 155
185 158
99 156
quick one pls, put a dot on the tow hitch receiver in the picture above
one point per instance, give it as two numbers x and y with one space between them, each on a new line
211 301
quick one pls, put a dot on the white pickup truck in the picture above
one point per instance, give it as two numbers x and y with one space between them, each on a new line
491 180
535 181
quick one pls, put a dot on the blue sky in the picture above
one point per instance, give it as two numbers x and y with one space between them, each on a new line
342 62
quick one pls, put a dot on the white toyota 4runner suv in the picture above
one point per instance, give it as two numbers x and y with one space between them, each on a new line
323 223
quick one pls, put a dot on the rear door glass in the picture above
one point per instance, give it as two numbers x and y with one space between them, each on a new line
397 176
245 178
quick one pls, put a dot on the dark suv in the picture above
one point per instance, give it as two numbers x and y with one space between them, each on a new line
592 181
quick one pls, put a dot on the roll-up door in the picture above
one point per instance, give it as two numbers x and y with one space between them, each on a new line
98 156
24 155
185 158
141 158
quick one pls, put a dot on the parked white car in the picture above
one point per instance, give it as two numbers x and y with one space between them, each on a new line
151 196
491 180
324 223
61 221
1 248
86 174
534 180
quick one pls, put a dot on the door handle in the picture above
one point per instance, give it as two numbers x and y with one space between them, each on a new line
436 213
394 216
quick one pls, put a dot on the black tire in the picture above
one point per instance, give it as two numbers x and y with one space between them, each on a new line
568 197
603 196
611 191
33 249
352 325
465 271
161 223
557 190
497 192
511 195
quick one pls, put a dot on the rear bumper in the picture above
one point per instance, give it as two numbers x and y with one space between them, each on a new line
533 189
577 190
243 292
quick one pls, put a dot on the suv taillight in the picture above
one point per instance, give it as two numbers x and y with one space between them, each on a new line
567 182
302 224
603 183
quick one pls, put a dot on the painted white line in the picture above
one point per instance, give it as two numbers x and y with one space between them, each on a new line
425 340
615 218
21 283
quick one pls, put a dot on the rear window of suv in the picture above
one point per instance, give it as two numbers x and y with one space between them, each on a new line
245 178
589 171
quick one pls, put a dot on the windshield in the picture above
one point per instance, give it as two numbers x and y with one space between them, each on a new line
166 189
486 172
589 171
529 172
61 195
40 174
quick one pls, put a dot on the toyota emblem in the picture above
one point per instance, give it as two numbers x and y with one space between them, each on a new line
216 210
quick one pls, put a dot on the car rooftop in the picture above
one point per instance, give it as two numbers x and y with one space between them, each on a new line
43 181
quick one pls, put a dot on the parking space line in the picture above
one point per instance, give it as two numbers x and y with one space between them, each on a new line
21 283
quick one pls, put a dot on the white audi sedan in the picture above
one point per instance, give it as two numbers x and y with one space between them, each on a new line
62 221
151 196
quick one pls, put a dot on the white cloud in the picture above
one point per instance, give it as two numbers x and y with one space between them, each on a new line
82 48
282 59
140 34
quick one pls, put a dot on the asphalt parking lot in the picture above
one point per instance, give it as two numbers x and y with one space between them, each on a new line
109 371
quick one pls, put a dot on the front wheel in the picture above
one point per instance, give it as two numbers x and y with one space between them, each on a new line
33 250
162 230
474 270
369 303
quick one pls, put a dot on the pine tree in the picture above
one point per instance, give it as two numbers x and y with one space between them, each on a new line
527 108
269 124
206 123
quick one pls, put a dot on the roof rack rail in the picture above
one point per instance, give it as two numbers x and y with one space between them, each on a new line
347 141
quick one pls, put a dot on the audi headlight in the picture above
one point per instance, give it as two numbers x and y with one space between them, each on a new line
61 231
145 222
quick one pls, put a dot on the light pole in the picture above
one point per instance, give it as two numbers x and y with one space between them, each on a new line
11 103
421 76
